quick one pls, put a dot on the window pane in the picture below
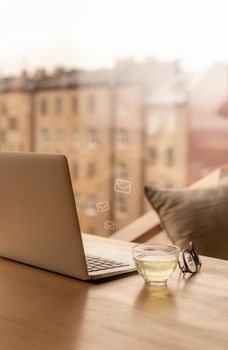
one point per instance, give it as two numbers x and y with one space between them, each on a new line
75 138
13 123
59 135
170 157
159 116
91 103
58 106
44 107
91 170
74 104
92 138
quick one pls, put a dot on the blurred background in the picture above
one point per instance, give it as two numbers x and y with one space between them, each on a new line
133 92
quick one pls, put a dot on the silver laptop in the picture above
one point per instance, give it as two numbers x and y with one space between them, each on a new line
39 222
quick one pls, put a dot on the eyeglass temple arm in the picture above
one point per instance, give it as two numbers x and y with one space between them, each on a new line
183 268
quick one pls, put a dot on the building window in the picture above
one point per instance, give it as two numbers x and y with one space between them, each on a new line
75 138
152 154
121 171
92 138
3 137
44 107
170 157
59 135
90 205
120 206
74 104
122 108
13 123
44 135
2 109
121 137
153 123
91 103
75 170
171 123
58 105
91 170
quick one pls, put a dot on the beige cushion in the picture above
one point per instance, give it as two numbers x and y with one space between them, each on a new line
197 215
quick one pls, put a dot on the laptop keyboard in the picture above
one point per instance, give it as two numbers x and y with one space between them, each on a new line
99 264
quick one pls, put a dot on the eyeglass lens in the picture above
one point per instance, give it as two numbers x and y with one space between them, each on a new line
191 260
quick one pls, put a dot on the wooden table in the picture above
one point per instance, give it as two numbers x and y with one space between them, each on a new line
40 310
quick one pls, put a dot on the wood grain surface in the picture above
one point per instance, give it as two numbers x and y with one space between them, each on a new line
41 310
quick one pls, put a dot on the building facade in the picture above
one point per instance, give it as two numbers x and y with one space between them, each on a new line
115 129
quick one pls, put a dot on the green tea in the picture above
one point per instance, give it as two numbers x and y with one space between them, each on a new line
156 267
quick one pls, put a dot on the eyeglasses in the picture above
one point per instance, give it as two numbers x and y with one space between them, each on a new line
191 260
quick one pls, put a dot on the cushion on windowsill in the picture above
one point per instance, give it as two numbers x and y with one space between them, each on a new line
197 215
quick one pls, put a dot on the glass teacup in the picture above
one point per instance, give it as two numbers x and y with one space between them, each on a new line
156 262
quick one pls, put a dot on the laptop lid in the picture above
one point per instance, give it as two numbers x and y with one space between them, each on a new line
38 218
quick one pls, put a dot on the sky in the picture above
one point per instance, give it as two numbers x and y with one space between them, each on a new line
92 34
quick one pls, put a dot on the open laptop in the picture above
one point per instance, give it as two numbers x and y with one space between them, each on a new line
39 223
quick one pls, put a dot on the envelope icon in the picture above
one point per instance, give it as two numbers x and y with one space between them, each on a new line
123 186
102 206
109 225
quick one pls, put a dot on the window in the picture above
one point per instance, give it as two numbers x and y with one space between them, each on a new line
75 170
92 138
122 108
44 106
170 157
3 136
59 135
171 123
44 135
90 205
120 206
91 103
153 123
2 109
74 104
75 137
121 137
91 170
121 171
152 154
13 123
58 105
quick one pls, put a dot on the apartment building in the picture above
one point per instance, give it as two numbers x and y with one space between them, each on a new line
72 116
127 153
15 114
116 130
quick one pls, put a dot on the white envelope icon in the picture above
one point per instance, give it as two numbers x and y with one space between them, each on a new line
109 225
102 206
123 186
